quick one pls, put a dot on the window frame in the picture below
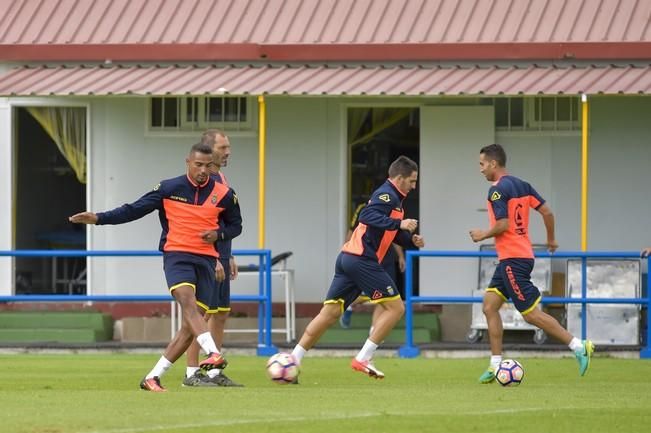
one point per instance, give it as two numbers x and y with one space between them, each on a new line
190 127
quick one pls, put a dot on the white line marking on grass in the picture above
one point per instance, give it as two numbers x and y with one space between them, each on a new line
218 423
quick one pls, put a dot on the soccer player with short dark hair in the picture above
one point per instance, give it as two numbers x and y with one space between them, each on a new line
189 207
358 270
225 272
509 201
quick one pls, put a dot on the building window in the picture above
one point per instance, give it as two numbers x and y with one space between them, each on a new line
191 113
544 113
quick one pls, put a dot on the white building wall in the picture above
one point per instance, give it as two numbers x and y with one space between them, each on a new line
552 165
307 186
620 173
127 163
302 204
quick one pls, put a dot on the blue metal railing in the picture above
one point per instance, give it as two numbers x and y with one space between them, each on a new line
409 350
265 347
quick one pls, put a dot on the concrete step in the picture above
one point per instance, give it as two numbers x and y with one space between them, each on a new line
58 326
52 335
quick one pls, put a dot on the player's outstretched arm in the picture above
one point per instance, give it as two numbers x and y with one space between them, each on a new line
646 252
83 218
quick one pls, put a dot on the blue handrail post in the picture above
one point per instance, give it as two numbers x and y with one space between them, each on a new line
646 351
584 295
261 281
266 348
409 350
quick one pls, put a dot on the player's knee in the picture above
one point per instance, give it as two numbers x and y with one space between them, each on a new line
533 317
220 317
331 312
396 307
489 309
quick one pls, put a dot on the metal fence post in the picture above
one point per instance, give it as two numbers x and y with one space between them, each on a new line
409 350
584 295
267 348
645 352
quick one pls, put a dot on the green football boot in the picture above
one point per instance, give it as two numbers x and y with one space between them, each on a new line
583 357
487 376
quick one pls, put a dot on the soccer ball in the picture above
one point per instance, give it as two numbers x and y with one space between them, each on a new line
282 368
509 373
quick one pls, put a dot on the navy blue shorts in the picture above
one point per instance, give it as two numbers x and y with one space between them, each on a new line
512 280
221 300
195 270
357 275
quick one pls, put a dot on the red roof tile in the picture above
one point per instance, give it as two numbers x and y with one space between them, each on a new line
326 80
322 21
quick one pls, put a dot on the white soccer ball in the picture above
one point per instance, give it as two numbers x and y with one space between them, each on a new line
509 373
282 368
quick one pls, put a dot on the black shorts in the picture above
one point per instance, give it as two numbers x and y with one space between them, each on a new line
194 270
221 300
512 280
358 275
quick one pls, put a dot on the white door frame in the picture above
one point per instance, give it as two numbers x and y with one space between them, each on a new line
7 275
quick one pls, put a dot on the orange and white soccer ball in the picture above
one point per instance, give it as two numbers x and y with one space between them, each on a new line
509 373
282 368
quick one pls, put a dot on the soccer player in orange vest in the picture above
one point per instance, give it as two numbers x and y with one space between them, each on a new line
189 207
509 201
358 269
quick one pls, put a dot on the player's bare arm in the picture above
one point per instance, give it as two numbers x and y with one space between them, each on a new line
401 256
478 235
548 220
83 218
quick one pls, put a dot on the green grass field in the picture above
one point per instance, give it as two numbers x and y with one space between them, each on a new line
99 393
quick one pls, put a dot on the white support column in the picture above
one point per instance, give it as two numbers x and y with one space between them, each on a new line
7 202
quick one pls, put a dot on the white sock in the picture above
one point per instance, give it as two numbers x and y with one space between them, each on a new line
495 361
298 353
576 345
189 371
160 368
207 343
367 352
214 372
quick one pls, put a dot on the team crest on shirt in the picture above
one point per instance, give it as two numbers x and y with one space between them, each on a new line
385 198
213 199
496 196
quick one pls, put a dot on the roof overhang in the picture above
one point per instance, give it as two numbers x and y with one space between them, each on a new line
388 52
357 80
